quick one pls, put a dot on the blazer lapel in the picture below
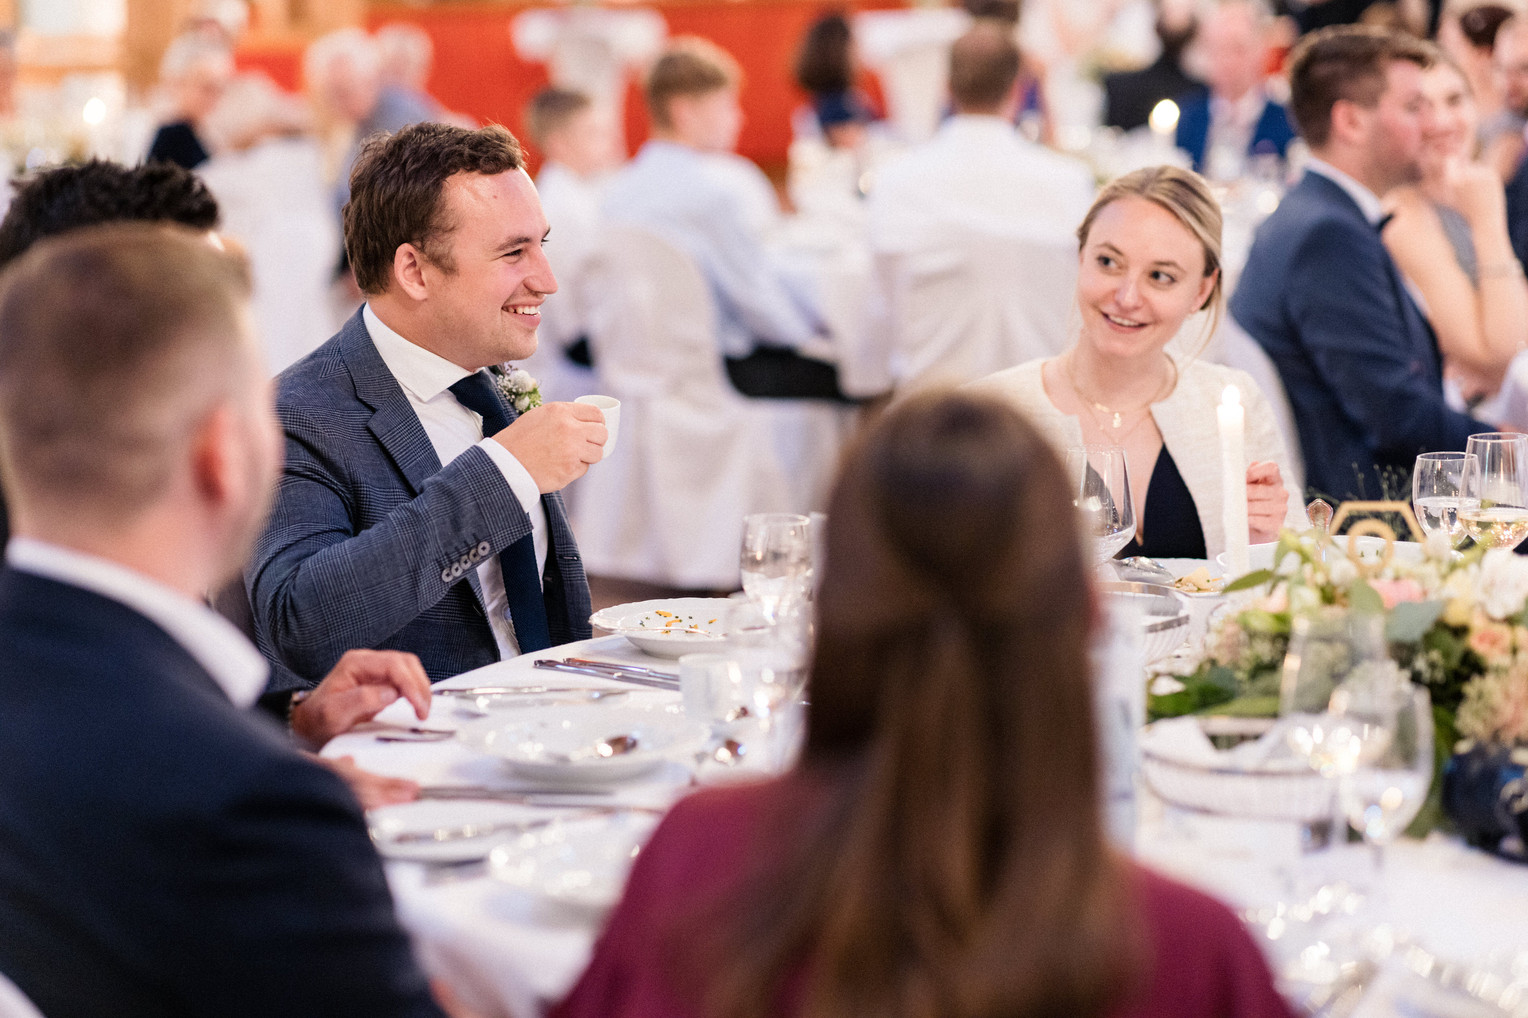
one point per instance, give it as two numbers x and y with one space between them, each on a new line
393 421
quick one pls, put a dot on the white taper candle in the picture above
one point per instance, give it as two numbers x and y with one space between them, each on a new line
1233 472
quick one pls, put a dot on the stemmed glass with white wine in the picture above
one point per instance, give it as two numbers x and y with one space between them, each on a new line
776 561
1496 486
1437 493
1102 482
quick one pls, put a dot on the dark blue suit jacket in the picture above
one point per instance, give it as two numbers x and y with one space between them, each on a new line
1271 136
1517 211
372 543
1360 364
162 852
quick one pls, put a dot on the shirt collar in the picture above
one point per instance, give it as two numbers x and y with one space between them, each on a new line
422 373
1368 202
1243 112
979 125
211 640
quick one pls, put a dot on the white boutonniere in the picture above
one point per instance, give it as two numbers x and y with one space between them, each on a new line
518 388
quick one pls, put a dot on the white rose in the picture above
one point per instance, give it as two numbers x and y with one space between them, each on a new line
1341 571
1502 586
522 380
522 403
1438 547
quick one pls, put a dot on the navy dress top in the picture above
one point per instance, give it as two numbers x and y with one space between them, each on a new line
1174 531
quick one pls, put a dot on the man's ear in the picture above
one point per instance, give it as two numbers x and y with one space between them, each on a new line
409 268
1348 121
216 448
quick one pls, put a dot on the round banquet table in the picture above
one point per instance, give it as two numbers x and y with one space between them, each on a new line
507 951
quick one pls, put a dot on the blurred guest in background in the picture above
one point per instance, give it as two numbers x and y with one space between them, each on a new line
1502 137
1130 96
578 143
826 69
194 73
1467 33
1448 234
939 849
343 75
1237 119
407 55
1320 293
977 167
1149 258
688 186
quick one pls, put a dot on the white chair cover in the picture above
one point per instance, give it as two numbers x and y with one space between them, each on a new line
14 1003
1238 350
977 301
693 456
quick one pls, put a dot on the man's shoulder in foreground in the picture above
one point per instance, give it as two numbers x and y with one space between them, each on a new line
167 846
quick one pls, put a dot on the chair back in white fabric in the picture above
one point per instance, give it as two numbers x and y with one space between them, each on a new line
978 300
693 456
14 1003
1238 350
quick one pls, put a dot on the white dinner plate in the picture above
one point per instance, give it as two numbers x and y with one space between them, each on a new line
1260 556
388 822
581 861
556 744
663 627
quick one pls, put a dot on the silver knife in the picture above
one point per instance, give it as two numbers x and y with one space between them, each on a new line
655 673
618 675
586 692
562 797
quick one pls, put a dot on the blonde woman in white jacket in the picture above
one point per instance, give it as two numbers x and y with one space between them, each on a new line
1149 259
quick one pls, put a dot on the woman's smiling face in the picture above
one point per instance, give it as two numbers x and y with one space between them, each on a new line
1140 276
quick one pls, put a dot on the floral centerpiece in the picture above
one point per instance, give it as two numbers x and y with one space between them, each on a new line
1457 624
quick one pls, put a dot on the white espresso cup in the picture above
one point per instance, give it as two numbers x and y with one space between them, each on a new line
610 407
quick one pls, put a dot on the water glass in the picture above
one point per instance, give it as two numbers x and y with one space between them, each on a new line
776 560
1437 493
1393 765
1101 480
1496 487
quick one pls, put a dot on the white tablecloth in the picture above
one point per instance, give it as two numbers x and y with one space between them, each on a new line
508 952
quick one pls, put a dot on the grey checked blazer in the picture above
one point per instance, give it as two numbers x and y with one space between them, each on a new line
372 543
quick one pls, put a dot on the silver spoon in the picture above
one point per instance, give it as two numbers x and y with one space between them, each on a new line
1144 568
604 749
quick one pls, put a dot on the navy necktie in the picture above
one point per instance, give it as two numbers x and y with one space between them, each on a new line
522 584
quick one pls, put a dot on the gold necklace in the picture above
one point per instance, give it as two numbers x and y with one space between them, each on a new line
1094 407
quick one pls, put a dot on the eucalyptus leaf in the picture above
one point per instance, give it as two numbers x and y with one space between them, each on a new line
1410 620
1256 578
1364 598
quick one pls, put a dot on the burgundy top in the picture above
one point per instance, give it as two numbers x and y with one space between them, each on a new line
1206 964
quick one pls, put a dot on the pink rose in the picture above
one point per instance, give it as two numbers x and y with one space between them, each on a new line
1491 640
1393 592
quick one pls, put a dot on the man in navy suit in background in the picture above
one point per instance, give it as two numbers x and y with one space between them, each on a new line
161 850
417 510
1237 119
1319 292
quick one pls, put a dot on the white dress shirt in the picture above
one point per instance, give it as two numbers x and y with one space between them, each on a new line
211 640
979 169
1368 202
715 208
426 378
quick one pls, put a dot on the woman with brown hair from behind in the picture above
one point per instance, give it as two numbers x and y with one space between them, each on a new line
938 851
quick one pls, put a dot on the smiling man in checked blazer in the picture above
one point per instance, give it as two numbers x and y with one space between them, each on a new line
417 511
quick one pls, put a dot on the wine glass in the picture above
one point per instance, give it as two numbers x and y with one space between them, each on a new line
1326 651
1437 493
1496 483
776 561
1392 768
1102 483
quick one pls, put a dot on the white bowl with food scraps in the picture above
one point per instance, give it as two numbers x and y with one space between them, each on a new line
669 627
